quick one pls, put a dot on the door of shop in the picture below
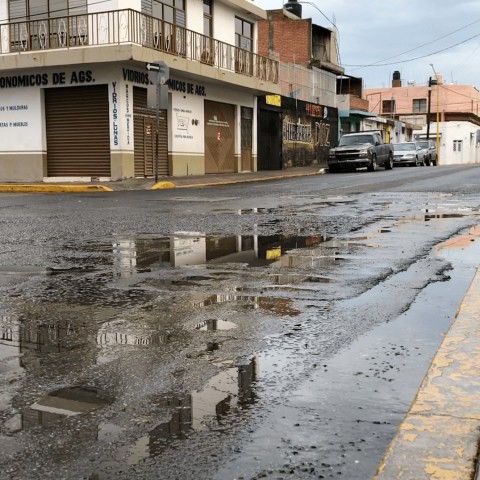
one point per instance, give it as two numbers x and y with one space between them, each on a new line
144 122
78 135
269 140
219 137
246 132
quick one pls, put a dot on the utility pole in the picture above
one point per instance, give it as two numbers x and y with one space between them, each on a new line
157 98
429 106
438 113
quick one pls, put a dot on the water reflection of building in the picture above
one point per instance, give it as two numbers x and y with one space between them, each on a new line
230 390
279 306
461 241
184 248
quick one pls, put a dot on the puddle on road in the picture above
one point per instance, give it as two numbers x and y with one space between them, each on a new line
211 409
23 270
130 255
214 325
340 420
58 405
275 305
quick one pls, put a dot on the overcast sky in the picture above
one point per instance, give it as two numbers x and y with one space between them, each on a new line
374 30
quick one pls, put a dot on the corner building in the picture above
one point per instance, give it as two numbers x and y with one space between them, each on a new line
73 88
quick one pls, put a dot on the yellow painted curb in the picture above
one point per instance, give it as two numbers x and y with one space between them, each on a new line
163 185
52 188
438 438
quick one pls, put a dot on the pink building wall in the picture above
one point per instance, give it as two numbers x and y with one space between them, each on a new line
452 98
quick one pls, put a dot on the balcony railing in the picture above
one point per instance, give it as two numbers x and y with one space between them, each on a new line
130 26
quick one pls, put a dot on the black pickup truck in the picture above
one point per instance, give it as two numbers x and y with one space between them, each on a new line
363 149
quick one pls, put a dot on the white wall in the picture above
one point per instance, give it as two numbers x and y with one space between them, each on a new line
450 132
185 107
194 10
223 23
25 121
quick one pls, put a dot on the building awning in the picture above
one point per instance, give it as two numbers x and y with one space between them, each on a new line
360 113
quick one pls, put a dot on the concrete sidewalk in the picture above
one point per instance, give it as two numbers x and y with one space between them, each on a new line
439 437
215 180
165 182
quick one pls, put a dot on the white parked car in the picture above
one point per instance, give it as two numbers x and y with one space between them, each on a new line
409 153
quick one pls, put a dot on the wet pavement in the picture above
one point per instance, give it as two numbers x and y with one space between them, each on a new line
275 331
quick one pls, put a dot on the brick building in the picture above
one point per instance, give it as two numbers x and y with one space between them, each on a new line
298 127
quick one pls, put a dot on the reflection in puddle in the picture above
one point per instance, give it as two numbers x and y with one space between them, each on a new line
143 252
23 270
18 338
216 325
118 338
462 241
209 409
279 306
62 403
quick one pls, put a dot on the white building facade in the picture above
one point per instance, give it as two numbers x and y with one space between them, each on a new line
73 88
459 142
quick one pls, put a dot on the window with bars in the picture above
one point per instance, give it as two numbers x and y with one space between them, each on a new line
172 11
246 127
457 145
24 10
243 34
388 106
420 105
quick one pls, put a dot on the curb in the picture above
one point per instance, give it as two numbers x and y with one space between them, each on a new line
163 185
25 188
439 437
322 171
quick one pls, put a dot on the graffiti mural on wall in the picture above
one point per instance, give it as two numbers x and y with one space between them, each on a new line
307 130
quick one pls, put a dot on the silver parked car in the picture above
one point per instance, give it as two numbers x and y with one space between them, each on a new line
409 153
430 147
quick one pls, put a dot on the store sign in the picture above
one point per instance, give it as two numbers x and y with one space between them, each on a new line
317 111
44 79
185 87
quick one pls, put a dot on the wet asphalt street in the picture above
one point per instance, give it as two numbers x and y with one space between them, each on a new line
266 330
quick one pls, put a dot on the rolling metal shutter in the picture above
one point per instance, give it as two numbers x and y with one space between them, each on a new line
144 137
78 134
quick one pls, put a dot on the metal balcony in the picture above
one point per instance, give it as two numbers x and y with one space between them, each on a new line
130 26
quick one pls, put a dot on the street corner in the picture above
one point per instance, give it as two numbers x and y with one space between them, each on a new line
163 186
46 188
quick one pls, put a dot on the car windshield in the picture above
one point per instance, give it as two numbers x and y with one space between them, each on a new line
423 144
404 147
356 140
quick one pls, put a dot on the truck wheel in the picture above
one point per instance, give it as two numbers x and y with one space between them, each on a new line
333 168
389 164
373 164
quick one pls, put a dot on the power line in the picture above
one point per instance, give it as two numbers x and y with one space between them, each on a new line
413 59
461 94
424 45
